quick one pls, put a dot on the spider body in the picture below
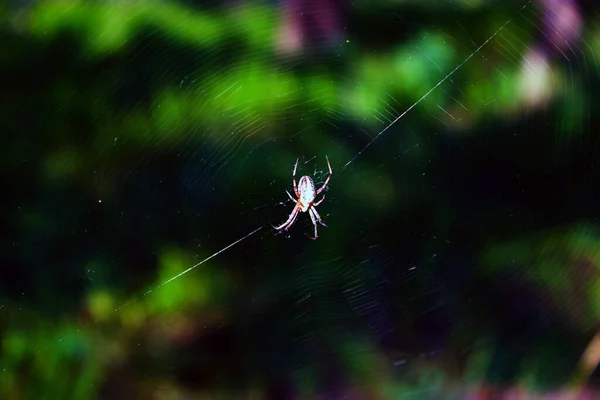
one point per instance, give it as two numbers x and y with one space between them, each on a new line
306 195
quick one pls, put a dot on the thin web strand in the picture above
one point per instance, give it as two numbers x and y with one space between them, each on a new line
192 267
430 90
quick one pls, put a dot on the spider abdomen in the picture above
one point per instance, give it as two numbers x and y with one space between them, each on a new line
306 189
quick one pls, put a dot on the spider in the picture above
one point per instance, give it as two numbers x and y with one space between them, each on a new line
306 194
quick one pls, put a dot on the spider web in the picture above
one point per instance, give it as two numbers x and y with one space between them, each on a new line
200 147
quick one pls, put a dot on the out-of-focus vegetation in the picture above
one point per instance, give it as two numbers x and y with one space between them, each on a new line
143 137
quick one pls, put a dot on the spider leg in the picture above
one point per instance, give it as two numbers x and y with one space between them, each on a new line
289 221
293 199
314 221
294 179
319 202
328 178
314 210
